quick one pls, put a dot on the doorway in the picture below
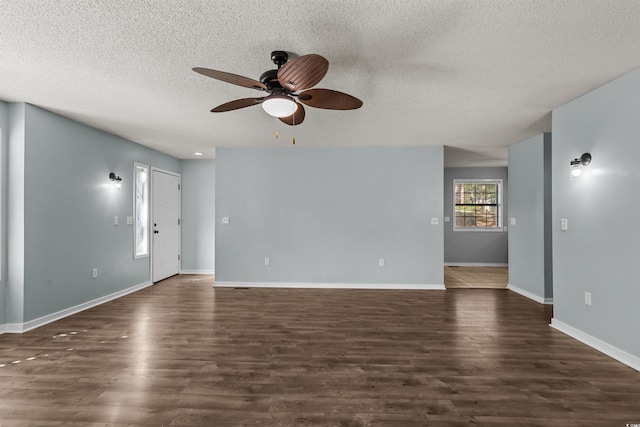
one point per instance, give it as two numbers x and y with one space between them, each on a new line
488 277
165 221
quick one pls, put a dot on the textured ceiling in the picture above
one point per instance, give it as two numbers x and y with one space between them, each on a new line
475 75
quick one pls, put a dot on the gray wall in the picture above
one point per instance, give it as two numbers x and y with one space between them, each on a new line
14 287
69 205
474 247
599 251
326 215
529 238
198 216
4 120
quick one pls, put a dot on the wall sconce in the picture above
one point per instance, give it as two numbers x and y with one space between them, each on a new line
117 181
577 163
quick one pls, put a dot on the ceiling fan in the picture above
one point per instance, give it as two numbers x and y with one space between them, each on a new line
283 86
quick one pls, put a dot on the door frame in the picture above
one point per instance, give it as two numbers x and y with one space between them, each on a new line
151 216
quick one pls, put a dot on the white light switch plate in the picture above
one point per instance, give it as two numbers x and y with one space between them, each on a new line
564 224
115 220
513 221
225 220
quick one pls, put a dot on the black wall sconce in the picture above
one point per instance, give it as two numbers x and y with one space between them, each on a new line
117 181
576 164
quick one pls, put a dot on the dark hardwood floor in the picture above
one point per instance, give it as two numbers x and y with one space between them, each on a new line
182 353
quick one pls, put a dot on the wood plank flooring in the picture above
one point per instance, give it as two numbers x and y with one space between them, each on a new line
476 277
182 353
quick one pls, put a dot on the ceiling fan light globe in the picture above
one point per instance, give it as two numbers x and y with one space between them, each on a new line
279 106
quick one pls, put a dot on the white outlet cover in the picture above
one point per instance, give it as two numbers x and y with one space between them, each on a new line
447 219
94 273
225 220
115 220
434 221
513 221
587 298
129 220
381 262
267 261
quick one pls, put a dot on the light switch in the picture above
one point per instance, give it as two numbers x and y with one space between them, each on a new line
563 224
513 221
225 220
447 219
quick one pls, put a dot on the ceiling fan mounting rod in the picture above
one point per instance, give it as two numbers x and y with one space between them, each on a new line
279 57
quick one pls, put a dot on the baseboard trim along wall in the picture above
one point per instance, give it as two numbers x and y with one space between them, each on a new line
197 272
530 295
611 351
18 328
328 285
476 264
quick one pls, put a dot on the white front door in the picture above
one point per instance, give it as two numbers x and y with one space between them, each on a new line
165 225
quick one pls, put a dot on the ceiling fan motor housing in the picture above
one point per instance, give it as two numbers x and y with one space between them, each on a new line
270 80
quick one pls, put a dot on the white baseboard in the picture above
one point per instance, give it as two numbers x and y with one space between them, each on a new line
530 295
475 264
197 272
18 328
611 351
328 285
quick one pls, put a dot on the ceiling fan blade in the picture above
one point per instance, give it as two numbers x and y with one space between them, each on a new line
296 118
303 73
231 78
329 99
237 104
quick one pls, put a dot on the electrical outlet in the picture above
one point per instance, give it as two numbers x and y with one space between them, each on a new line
129 220
587 298
381 262
267 261
94 273
513 221
447 219
115 220
434 221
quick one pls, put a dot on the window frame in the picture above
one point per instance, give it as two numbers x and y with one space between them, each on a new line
499 227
